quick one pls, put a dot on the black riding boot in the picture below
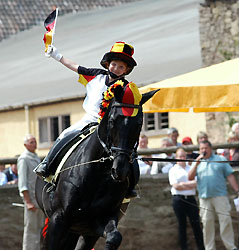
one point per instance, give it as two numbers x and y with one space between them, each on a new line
134 178
44 169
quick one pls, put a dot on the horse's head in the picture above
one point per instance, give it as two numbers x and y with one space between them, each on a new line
122 123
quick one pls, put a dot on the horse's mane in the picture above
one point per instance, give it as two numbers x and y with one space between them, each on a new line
124 92
108 95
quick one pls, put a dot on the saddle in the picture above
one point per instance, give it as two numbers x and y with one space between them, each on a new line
68 149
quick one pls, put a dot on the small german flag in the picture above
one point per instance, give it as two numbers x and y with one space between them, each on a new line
50 25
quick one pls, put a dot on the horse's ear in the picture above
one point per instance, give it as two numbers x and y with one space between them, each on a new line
147 96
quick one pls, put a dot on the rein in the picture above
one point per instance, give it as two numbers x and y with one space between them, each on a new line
102 159
180 160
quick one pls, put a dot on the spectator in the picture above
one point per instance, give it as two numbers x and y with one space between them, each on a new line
220 151
163 167
11 173
187 141
144 166
212 188
173 135
235 128
184 202
33 216
232 154
201 136
3 177
190 155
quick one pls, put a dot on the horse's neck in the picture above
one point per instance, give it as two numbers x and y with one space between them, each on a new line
103 128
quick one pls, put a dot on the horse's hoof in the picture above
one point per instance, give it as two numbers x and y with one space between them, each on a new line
131 195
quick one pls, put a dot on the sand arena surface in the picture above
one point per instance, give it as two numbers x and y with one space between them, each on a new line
150 222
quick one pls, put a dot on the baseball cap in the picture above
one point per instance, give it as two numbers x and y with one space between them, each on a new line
187 139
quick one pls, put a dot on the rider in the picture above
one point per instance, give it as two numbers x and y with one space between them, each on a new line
118 63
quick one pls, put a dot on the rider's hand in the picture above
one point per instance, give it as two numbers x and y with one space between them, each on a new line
53 52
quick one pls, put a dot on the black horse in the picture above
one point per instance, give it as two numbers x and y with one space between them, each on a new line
88 196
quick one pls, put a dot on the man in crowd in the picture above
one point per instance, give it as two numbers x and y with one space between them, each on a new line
11 173
212 189
173 135
3 177
33 216
144 166
201 136
186 141
162 166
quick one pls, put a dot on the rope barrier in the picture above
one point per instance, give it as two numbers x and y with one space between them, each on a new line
181 160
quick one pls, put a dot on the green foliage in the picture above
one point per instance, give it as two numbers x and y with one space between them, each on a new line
231 119
226 54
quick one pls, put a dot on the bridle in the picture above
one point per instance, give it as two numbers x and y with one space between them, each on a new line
116 151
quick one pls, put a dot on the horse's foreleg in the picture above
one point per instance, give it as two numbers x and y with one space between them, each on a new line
86 242
69 241
113 236
57 231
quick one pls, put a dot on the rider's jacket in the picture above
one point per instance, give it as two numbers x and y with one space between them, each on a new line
96 82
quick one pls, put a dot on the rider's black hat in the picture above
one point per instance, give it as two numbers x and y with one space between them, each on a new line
120 51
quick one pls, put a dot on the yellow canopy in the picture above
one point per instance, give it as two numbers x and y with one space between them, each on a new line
211 89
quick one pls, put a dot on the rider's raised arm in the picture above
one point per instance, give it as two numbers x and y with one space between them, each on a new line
53 52
69 64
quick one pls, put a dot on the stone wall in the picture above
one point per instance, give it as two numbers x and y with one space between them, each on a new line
149 223
219 37
17 16
219 31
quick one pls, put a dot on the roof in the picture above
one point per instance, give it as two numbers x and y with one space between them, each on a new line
165 35
18 16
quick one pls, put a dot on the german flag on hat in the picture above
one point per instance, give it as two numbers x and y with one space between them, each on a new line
50 25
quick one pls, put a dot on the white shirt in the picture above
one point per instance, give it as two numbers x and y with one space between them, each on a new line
164 167
144 168
94 89
178 174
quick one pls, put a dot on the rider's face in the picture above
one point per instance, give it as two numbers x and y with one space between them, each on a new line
118 67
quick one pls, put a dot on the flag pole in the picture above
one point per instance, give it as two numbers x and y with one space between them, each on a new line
53 32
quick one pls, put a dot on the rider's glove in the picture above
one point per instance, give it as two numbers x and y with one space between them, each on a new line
53 52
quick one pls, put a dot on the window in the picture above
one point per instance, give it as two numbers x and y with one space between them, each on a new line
51 127
154 122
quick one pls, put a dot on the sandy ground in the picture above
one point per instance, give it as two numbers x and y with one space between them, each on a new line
150 223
